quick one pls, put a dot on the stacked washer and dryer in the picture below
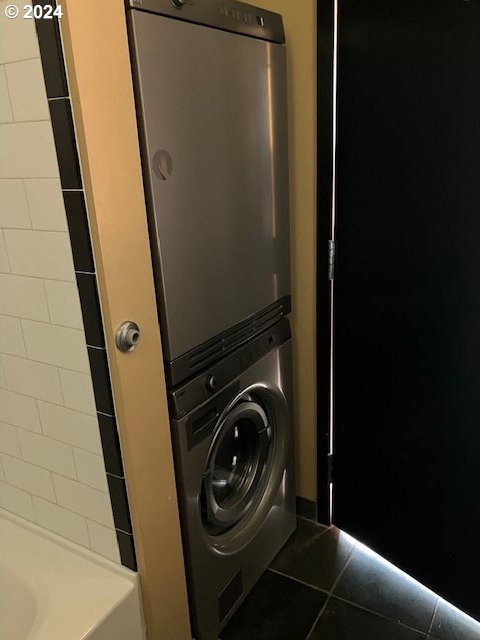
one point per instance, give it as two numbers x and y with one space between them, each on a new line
210 88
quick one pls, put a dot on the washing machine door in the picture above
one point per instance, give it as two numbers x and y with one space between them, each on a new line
238 466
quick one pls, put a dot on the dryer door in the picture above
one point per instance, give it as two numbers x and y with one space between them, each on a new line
213 119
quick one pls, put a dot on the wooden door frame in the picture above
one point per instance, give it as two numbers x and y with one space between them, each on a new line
325 62
98 67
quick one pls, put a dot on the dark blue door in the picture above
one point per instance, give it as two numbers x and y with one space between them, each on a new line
407 288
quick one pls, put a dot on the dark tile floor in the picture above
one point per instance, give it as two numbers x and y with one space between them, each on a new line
325 586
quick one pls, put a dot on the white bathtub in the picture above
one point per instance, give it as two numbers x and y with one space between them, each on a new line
51 589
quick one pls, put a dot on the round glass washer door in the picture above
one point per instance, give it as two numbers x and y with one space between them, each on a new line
236 467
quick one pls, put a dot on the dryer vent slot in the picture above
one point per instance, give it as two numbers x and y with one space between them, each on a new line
229 596
210 352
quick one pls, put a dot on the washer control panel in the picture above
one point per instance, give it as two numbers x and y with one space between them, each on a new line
185 398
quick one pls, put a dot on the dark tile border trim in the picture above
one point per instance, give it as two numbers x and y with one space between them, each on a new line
127 550
118 496
51 54
48 32
78 225
101 380
92 318
65 142
110 445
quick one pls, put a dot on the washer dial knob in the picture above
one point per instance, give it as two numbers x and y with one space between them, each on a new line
212 383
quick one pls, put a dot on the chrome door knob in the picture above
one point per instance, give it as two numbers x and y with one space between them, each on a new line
127 336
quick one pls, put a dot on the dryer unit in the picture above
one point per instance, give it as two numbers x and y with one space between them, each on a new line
210 86
235 474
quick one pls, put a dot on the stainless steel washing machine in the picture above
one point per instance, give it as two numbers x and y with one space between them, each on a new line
210 89
233 449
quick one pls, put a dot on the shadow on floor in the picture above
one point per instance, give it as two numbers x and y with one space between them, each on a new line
326 586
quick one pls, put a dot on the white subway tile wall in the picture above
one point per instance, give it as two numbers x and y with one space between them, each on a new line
71 427
63 304
11 337
4 264
17 501
28 150
6 114
45 204
9 440
103 540
90 469
85 500
51 463
23 297
13 205
77 391
41 254
26 89
19 410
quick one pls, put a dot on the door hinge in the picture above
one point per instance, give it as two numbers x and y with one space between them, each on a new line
330 468
331 259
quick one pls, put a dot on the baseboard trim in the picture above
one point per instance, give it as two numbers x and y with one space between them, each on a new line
306 508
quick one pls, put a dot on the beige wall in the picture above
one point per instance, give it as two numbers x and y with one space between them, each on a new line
51 461
300 27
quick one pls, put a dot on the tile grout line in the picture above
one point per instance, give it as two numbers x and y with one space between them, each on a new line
62 506
108 415
286 575
114 475
46 303
52 471
56 404
26 200
350 556
315 622
22 60
33 229
378 615
20 321
39 415
54 489
88 533
53 324
359 606
329 596
6 254
47 364
306 584
49 323
8 91
34 277
16 122
433 616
